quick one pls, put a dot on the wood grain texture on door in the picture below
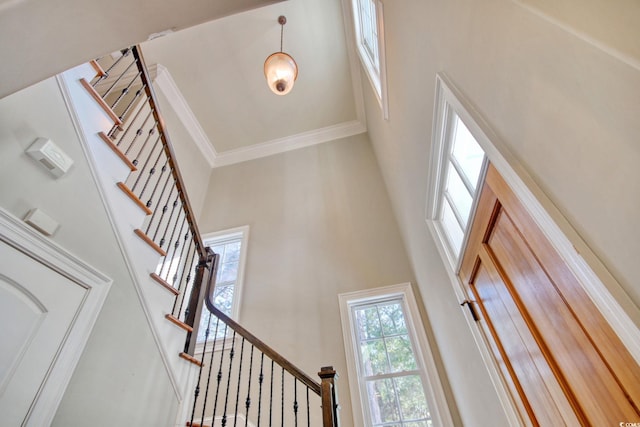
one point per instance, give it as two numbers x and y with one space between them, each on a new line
562 361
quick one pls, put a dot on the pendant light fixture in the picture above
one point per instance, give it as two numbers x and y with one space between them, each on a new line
280 69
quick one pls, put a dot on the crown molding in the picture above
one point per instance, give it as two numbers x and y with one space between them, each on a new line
288 143
165 83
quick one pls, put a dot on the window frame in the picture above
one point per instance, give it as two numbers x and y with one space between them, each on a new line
434 392
215 238
377 78
445 115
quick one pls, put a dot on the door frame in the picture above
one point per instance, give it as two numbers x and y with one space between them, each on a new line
604 290
16 234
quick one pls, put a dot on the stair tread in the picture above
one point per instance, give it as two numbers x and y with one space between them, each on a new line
96 96
96 66
165 284
121 185
116 150
178 322
150 242
190 358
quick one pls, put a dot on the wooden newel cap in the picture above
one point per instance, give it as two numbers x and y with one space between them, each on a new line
327 372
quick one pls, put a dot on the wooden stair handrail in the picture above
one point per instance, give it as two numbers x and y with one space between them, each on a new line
260 345
166 143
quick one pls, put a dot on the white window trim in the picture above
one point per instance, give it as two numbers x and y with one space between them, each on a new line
378 81
442 138
596 280
210 239
434 392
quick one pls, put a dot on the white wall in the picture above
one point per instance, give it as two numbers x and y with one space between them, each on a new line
194 168
321 224
120 378
567 110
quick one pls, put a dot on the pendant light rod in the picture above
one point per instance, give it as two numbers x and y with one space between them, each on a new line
281 20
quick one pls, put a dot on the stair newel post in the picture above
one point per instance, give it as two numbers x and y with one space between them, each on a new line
206 270
329 397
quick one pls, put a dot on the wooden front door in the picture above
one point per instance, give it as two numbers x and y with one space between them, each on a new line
560 358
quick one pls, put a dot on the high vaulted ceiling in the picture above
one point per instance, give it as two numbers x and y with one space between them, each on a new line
211 62
217 67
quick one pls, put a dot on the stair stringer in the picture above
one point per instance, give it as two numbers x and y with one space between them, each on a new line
141 260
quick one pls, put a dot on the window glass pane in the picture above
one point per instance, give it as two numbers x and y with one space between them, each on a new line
400 354
382 401
369 31
374 357
427 423
229 251
204 321
459 194
452 228
368 323
467 153
223 298
227 272
389 374
219 249
413 404
216 327
232 252
392 319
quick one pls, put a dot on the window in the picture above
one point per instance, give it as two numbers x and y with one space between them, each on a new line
388 357
457 164
369 28
231 246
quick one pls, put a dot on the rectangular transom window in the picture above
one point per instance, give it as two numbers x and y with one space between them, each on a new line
395 380
230 245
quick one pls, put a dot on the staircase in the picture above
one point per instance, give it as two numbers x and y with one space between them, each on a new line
236 379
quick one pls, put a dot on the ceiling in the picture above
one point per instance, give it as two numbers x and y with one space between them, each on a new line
212 74
80 30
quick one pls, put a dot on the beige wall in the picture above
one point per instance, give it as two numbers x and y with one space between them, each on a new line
567 110
320 224
27 27
120 378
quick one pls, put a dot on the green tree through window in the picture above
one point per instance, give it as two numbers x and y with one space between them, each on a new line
390 375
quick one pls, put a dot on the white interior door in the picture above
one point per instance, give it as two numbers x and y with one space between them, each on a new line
38 308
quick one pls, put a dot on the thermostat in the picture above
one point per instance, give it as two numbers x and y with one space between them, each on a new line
49 155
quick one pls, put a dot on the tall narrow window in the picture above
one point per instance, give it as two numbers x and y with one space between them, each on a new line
230 245
463 164
369 30
457 162
388 356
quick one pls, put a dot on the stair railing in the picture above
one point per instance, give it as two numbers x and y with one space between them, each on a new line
188 269
123 87
243 381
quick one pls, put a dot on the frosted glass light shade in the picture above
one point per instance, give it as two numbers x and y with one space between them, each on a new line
281 72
